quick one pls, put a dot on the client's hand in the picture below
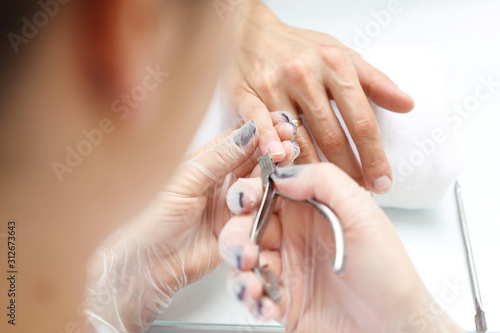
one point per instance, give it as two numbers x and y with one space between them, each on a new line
133 277
380 291
280 67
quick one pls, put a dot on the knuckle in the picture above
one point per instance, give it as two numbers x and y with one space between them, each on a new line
297 70
334 142
365 126
333 56
267 82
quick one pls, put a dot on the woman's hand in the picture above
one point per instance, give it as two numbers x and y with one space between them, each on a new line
133 277
279 67
380 291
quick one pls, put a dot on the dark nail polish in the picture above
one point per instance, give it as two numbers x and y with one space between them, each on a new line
285 173
245 134
241 199
294 131
241 293
238 261
259 307
285 116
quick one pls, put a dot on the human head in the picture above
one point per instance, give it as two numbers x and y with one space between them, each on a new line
89 115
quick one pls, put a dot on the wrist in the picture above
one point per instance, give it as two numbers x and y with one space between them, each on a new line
424 314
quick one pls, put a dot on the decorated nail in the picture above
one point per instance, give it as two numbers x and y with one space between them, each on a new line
239 291
287 172
296 149
294 131
286 116
245 134
235 201
233 256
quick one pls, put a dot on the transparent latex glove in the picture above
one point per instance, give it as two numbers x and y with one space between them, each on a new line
379 291
135 274
280 67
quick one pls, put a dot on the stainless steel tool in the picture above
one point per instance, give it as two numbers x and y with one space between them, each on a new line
480 317
267 277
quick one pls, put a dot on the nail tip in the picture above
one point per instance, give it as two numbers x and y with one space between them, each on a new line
382 185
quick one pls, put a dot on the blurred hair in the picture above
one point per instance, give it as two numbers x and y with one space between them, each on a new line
11 14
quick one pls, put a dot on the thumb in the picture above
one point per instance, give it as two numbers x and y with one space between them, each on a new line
219 160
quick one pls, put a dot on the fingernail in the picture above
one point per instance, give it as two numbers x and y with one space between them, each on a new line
245 134
233 256
294 131
296 149
239 291
235 201
286 116
276 149
287 172
265 310
382 185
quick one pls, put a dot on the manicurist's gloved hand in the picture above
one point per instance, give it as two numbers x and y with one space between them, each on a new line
380 291
279 67
135 274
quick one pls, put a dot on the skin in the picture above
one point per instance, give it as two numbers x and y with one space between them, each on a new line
92 53
71 80
279 67
372 295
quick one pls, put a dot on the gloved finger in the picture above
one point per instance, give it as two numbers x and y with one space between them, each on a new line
331 186
379 87
248 289
245 196
206 169
252 108
235 246
244 286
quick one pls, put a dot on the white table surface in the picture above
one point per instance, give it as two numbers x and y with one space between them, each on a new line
436 51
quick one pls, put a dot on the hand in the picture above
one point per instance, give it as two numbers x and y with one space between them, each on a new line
279 67
379 291
134 276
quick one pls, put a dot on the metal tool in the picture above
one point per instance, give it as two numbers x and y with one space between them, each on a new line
265 275
480 317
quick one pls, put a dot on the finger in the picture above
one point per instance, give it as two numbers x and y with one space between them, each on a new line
292 150
331 186
361 122
213 142
248 289
381 90
235 246
281 101
245 286
252 108
250 167
206 169
246 195
326 128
